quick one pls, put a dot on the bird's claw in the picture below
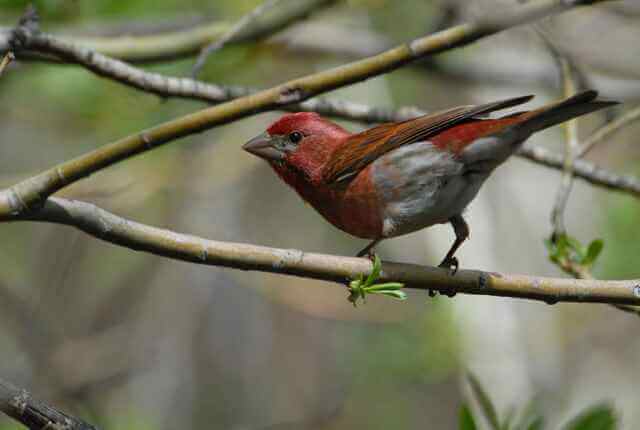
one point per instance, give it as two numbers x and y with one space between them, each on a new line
370 254
450 263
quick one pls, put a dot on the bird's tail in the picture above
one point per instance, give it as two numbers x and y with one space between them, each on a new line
488 152
556 113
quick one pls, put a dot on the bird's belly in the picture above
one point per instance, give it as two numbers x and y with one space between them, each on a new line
421 185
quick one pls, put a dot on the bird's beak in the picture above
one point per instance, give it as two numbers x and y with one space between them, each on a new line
263 146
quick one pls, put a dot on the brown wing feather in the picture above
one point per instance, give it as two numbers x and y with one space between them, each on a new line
363 148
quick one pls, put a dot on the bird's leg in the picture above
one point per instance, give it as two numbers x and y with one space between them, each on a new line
461 229
367 250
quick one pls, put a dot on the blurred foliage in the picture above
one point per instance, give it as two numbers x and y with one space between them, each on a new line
623 244
10 425
385 14
411 351
79 10
130 421
598 417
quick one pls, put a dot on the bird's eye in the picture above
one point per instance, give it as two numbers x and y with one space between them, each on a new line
295 137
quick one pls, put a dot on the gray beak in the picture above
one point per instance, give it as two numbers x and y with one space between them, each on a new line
263 146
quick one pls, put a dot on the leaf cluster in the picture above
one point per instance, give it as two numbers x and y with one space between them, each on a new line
597 417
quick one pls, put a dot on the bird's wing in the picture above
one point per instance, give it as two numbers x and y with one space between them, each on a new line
365 147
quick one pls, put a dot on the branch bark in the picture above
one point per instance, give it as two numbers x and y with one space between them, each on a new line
245 22
583 169
172 45
168 86
120 231
6 60
606 131
19 405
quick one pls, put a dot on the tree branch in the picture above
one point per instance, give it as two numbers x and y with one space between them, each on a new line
6 60
120 231
184 42
19 405
583 169
31 193
186 88
166 86
245 22
572 81
607 130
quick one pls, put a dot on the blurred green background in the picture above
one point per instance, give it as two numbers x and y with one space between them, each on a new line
129 340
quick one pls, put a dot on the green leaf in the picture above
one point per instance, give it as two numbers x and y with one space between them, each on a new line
386 286
375 272
467 422
529 417
508 419
536 424
400 295
359 288
484 401
599 417
594 250
575 245
562 243
557 248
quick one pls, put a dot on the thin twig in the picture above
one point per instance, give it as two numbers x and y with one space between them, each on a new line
572 81
19 405
584 273
634 310
166 86
31 193
583 169
112 228
181 43
608 130
243 23
570 77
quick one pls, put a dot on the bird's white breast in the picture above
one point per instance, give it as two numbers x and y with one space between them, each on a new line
421 185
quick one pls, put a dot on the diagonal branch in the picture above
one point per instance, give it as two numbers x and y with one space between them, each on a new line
6 60
245 22
120 231
608 130
181 43
31 193
583 169
571 79
167 86
19 405
187 88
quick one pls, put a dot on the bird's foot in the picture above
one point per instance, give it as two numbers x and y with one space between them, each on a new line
450 263
369 253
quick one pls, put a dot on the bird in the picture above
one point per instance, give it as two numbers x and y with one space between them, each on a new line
400 177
